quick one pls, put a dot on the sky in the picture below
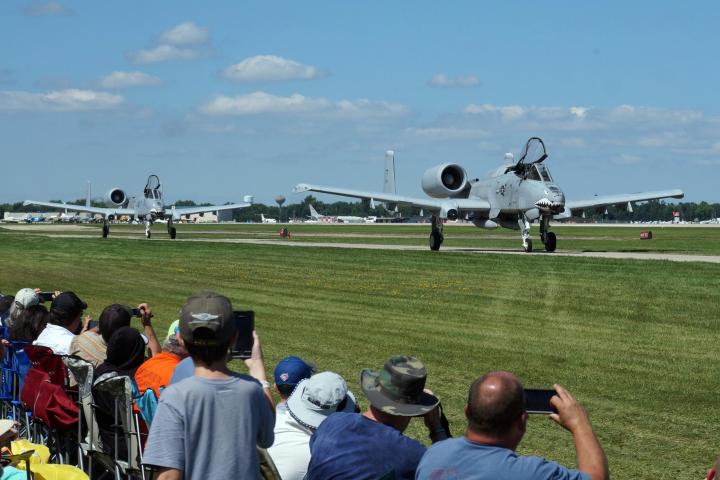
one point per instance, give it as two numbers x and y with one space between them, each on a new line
230 98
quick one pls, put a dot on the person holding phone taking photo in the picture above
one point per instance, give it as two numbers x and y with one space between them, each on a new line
497 421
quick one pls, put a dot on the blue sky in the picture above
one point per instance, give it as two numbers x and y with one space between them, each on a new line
228 98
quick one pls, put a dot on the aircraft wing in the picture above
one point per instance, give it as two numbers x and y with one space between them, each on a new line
82 208
432 204
622 199
208 208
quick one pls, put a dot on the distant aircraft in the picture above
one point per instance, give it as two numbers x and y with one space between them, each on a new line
314 215
513 196
149 208
267 220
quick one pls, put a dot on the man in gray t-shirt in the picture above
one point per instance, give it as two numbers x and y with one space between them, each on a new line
208 425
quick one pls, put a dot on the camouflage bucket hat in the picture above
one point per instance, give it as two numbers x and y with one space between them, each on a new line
397 389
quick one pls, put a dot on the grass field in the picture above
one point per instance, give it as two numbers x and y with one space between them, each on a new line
636 341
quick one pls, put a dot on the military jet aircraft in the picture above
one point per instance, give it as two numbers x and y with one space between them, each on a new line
148 208
513 196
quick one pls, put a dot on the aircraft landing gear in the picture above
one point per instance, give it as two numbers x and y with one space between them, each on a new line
548 238
148 233
436 235
105 229
525 233
171 230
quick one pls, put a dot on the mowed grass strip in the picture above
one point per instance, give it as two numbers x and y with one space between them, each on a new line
635 341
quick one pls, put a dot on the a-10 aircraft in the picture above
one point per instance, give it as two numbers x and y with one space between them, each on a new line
513 196
148 208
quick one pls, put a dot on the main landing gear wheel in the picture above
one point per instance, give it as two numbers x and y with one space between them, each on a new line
528 246
105 231
550 242
148 233
173 233
436 239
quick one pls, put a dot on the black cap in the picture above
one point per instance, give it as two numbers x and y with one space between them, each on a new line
69 304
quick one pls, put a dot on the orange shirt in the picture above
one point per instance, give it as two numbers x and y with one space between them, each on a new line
156 372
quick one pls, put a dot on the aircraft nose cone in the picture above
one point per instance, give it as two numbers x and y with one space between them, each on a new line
553 201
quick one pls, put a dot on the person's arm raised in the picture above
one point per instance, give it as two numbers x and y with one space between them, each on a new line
145 316
572 416
256 368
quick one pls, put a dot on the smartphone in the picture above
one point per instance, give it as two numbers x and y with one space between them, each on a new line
92 324
245 324
45 296
538 400
136 312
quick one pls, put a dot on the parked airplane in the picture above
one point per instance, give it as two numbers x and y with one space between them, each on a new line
149 208
314 215
267 220
513 196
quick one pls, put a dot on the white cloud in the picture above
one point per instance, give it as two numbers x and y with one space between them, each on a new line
511 112
45 9
128 79
185 34
442 80
70 100
263 103
448 133
178 43
269 68
164 53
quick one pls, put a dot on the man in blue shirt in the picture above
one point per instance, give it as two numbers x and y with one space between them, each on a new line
371 446
497 420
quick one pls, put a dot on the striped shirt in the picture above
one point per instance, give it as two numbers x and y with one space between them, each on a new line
89 346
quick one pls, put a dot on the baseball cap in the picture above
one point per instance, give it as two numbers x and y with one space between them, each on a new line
69 304
290 370
25 297
319 396
211 311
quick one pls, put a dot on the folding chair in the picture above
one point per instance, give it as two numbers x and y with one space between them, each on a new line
88 446
20 366
126 425
51 402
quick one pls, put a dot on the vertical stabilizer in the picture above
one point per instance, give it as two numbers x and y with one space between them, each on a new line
389 185
313 213
87 196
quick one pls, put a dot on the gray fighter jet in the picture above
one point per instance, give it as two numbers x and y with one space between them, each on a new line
513 196
148 208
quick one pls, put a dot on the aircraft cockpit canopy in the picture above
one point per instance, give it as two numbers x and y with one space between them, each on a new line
152 188
539 172
530 164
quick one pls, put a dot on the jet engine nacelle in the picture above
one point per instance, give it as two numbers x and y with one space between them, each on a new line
446 180
116 198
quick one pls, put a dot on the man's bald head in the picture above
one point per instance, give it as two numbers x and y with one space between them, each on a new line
495 402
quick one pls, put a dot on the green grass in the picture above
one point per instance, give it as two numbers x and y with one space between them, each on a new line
636 341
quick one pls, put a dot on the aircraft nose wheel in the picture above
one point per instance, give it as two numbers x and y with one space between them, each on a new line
105 231
528 246
436 239
550 242
173 233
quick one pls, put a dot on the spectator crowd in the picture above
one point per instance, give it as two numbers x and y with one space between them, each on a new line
210 422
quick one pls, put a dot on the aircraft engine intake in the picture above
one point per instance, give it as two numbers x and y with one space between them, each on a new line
116 198
446 180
